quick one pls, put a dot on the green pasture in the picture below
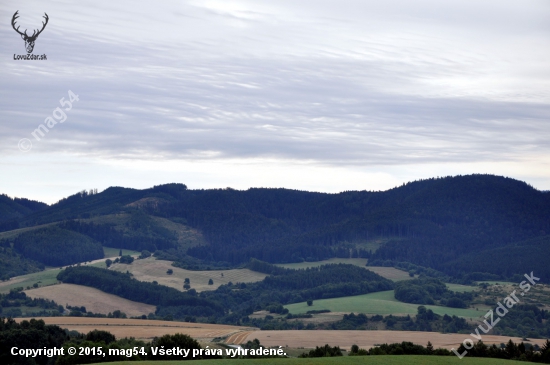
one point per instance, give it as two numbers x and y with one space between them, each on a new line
382 303
49 276
461 288
344 360
43 278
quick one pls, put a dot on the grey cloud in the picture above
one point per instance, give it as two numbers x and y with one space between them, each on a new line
319 90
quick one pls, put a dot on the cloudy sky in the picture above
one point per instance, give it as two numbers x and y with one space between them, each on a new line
312 95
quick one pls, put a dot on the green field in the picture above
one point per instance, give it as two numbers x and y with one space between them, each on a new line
344 360
305 265
43 278
461 288
49 276
382 303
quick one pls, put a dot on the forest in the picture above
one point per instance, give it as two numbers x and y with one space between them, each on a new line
55 246
454 225
426 290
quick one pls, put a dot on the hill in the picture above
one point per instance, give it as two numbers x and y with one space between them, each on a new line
11 209
439 223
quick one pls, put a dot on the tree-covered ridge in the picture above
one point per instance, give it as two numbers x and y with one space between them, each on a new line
324 275
140 235
430 223
57 247
14 264
11 209
129 288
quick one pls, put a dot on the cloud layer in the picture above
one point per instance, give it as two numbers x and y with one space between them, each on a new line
320 83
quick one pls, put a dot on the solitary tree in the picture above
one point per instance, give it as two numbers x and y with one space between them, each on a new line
108 262
309 303
210 282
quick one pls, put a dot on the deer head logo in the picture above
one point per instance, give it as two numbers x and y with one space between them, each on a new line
29 40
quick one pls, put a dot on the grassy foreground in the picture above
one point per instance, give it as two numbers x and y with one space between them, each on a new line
346 360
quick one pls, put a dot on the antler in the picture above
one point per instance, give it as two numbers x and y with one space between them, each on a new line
15 16
43 25
34 34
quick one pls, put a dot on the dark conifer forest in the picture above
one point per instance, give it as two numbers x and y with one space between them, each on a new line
496 226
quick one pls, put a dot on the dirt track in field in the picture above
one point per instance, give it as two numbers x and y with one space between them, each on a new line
144 329
364 339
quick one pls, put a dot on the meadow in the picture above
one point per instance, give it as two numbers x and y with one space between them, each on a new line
42 278
151 269
382 303
49 276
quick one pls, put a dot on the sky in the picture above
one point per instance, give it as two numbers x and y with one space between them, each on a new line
312 95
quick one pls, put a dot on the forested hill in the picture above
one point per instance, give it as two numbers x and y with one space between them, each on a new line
429 222
11 209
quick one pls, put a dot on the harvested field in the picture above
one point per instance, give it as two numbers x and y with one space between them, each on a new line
144 329
93 299
366 339
151 270
239 337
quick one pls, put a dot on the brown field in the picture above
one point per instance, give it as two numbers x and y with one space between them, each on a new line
93 299
364 339
144 329
151 269
390 273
